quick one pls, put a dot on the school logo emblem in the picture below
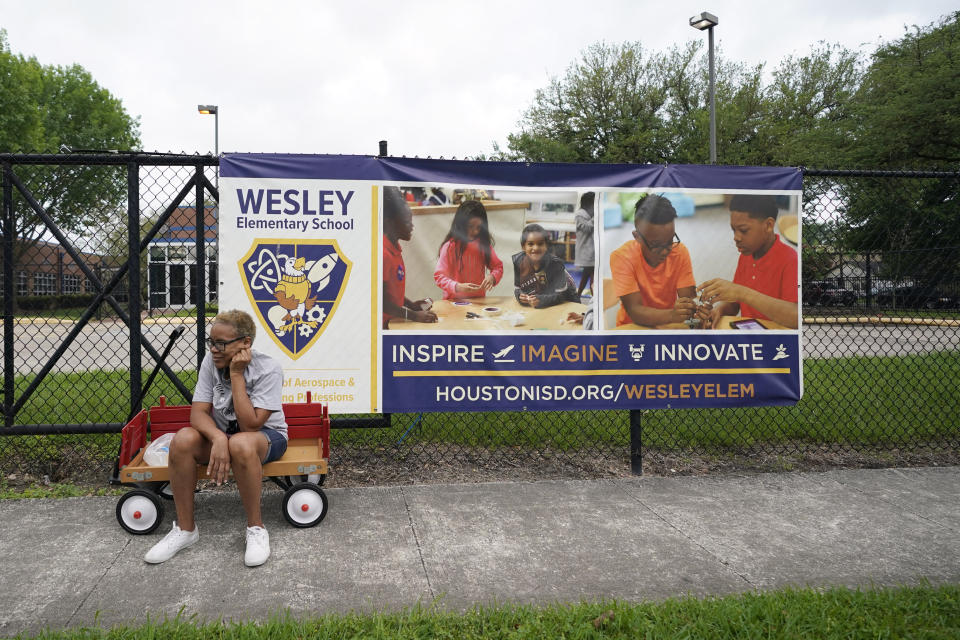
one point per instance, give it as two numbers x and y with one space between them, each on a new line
295 288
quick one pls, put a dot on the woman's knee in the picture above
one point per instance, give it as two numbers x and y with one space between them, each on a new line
244 447
186 442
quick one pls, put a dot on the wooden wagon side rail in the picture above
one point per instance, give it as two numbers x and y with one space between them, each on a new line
308 449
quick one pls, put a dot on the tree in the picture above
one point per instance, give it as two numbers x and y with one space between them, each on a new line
739 108
907 109
906 114
43 107
618 103
606 104
21 125
807 115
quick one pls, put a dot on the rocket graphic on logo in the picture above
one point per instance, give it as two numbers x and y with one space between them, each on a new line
295 288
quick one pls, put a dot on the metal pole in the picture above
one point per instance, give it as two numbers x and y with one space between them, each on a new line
200 271
713 103
9 231
636 442
216 145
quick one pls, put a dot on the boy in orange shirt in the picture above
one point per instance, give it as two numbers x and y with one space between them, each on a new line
652 274
765 283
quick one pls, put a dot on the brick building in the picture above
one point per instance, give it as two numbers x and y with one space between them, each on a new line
46 269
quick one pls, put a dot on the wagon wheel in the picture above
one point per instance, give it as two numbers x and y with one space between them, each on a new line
304 505
139 511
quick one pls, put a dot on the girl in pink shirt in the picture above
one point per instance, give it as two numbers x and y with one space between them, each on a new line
468 267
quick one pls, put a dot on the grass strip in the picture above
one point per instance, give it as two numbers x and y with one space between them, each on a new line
55 490
870 401
904 612
864 400
92 396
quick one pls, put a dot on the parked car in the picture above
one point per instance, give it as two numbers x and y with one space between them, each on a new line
821 293
916 297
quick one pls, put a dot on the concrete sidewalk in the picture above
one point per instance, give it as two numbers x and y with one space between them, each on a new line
67 563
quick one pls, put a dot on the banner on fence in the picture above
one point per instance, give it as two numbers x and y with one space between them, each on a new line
387 284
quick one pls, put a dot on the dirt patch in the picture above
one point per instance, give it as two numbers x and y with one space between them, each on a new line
464 465
444 464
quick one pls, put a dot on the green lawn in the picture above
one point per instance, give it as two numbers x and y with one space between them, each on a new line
878 400
916 612
859 400
856 400
92 396
55 490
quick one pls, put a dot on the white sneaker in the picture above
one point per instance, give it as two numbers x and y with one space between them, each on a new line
258 547
171 543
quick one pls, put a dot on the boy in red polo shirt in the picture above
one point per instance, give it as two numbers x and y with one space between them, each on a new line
398 225
765 283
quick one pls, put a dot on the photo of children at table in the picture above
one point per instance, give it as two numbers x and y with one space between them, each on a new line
398 225
652 274
467 266
765 282
539 277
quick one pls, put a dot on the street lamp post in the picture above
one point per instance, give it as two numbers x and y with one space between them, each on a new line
706 22
207 109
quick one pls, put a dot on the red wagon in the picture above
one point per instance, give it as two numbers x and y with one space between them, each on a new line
300 471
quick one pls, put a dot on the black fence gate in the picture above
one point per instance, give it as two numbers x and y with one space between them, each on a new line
74 231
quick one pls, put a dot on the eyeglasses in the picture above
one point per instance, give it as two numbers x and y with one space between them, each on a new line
221 345
660 248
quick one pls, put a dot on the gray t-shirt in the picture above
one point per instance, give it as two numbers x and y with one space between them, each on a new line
264 378
583 255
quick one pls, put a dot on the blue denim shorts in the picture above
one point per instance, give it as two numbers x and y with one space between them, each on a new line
276 444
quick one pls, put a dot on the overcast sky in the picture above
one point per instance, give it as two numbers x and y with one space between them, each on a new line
436 79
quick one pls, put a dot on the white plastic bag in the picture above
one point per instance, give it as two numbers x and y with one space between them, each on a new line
158 451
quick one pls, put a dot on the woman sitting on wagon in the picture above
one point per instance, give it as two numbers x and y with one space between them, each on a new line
236 422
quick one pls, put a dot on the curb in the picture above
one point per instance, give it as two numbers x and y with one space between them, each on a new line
72 321
163 320
928 322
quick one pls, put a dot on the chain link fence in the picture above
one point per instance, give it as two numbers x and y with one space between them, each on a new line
85 327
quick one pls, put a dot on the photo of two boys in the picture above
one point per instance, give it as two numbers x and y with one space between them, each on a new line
682 260
701 261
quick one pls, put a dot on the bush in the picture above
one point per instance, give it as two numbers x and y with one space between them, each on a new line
51 303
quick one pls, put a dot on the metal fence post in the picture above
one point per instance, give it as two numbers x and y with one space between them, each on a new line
636 442
9 231
133 281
